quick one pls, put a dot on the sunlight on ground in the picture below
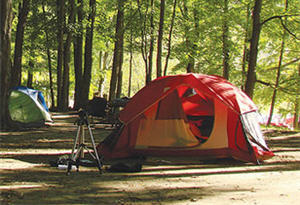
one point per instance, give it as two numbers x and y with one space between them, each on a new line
16 164
22 186
17 152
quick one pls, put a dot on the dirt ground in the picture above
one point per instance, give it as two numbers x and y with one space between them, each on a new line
26 176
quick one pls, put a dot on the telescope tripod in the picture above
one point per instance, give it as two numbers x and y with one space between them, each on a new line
79 146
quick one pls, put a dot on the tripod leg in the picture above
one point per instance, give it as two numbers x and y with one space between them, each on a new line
99 164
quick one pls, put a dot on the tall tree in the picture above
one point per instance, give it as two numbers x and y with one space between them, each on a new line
118 53
66 59
17 64
160 39
60 5
225 40
88 52
5 63
256 28
245 46
48 59
78 45
297 102
151 45
170 37
281 52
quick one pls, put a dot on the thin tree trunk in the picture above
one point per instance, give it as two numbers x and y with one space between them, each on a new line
78 45
60 33
225 40
87 73
160 39
30 74
190 46
170 37
130 64
245 48
278 73
297 103
117 51
17 64
67 60
49 61
256 28
151 45
5 64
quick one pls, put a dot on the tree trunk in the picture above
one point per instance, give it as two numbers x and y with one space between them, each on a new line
5 63
67 60
87 73
17 65
49 61
160 38
225 40
30 74
278 73
245 48
117 51
151 45
78 45
103 76
297 104
130 64
60 28
170 37
189 42
256 28
120 72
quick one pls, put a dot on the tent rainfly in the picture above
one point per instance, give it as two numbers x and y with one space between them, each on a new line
27 107
195 115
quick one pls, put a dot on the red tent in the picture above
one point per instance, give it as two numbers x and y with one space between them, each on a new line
188 115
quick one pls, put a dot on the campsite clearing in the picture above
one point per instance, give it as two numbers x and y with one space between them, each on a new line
27 178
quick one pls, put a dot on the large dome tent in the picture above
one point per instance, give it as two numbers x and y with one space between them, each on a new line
196 115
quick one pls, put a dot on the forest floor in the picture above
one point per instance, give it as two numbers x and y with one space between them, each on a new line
26 176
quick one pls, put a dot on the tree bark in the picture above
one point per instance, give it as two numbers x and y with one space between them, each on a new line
130 64
5 63
170 37
78 45
88 60
30 74
160 39
17 64
67 60
256 28
245 47
117 51
278 73
49 61
151 45
225 40
297 103
60 32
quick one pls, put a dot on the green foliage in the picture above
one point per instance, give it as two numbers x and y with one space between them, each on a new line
197 35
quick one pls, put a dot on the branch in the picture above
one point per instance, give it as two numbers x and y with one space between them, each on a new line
283 25
273 87
276 17
288 30
287 64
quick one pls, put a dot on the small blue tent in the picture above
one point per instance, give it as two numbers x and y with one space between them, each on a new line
27 107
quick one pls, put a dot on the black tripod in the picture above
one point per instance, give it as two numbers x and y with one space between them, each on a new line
79 146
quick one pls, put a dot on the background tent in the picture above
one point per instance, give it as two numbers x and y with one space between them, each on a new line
189 115
27 107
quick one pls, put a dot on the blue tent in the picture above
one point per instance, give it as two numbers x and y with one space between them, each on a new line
27 107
